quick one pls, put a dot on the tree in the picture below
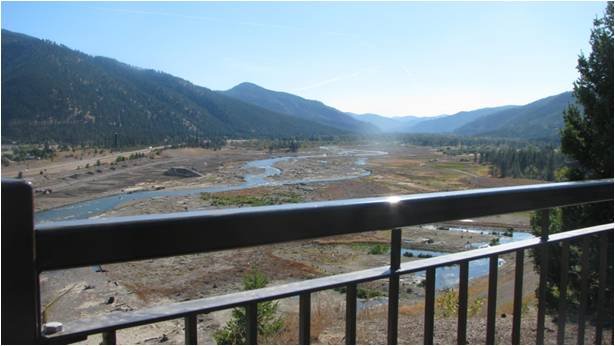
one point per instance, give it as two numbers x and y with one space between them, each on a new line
587 139
236 330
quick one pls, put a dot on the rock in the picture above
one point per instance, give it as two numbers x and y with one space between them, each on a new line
163 338
52 328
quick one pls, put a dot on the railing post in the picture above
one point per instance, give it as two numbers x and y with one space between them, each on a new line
351 314
252 320
462 304
190 330
542 283
20 286
305 307
394 287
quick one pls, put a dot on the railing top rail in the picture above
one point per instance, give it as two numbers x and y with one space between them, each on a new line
119 320
89 242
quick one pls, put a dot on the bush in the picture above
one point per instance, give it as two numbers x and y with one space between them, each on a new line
236 329
446 304
378 249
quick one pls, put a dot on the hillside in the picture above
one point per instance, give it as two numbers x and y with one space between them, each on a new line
450 123
540 119
296 106
53 93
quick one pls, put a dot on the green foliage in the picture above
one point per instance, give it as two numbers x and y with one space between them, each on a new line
30 152
494 242
252 201
289 145
362 293
447 300
530 162
587 138
236 330
378 249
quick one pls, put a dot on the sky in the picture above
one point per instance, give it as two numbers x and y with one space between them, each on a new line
392 59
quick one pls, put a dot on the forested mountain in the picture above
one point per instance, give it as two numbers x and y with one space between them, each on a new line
541 119
296 106
53 93
450 123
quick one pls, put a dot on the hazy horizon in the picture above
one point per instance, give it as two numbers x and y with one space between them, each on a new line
387 59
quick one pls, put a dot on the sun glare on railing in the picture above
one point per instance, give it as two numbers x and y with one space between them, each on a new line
393 199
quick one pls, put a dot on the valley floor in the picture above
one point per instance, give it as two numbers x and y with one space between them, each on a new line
84 292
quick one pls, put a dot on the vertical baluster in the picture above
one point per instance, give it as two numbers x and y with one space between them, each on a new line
462 306
108 338
304 318
351 314
584 289
492 298
542 287
393 311
601 287
518 297
252 315
190 336
430 286
563 284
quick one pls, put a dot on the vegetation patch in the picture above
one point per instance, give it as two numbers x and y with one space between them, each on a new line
235 332
218 200
362 293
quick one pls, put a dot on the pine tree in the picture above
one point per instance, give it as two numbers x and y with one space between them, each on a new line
587 139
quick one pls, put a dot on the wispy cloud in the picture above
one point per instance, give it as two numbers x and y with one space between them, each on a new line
334 79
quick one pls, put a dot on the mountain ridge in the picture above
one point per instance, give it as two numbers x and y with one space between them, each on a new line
297 106
54 93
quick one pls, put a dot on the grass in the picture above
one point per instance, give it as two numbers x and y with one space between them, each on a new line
218 200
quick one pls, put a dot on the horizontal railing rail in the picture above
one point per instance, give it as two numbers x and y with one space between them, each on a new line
112 240
32 249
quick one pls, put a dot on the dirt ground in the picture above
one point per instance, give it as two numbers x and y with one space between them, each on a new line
85 292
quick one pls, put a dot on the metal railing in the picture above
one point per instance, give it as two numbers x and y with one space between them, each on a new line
27 250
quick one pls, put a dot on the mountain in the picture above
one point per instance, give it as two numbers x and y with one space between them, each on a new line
53 93
387 124
298 107
540 119
450 123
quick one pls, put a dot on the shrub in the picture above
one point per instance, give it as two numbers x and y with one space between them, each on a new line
236 329
446 304
378 249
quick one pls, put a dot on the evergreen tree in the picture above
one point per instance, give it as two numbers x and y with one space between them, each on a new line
587 138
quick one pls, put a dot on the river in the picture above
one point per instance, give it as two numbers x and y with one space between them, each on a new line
264 169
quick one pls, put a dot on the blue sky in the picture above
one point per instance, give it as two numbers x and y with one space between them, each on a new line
388 58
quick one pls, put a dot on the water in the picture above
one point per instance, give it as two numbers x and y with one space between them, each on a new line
447 277
264 170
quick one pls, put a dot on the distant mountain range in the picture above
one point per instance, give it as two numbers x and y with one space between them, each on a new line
539 120
53 93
